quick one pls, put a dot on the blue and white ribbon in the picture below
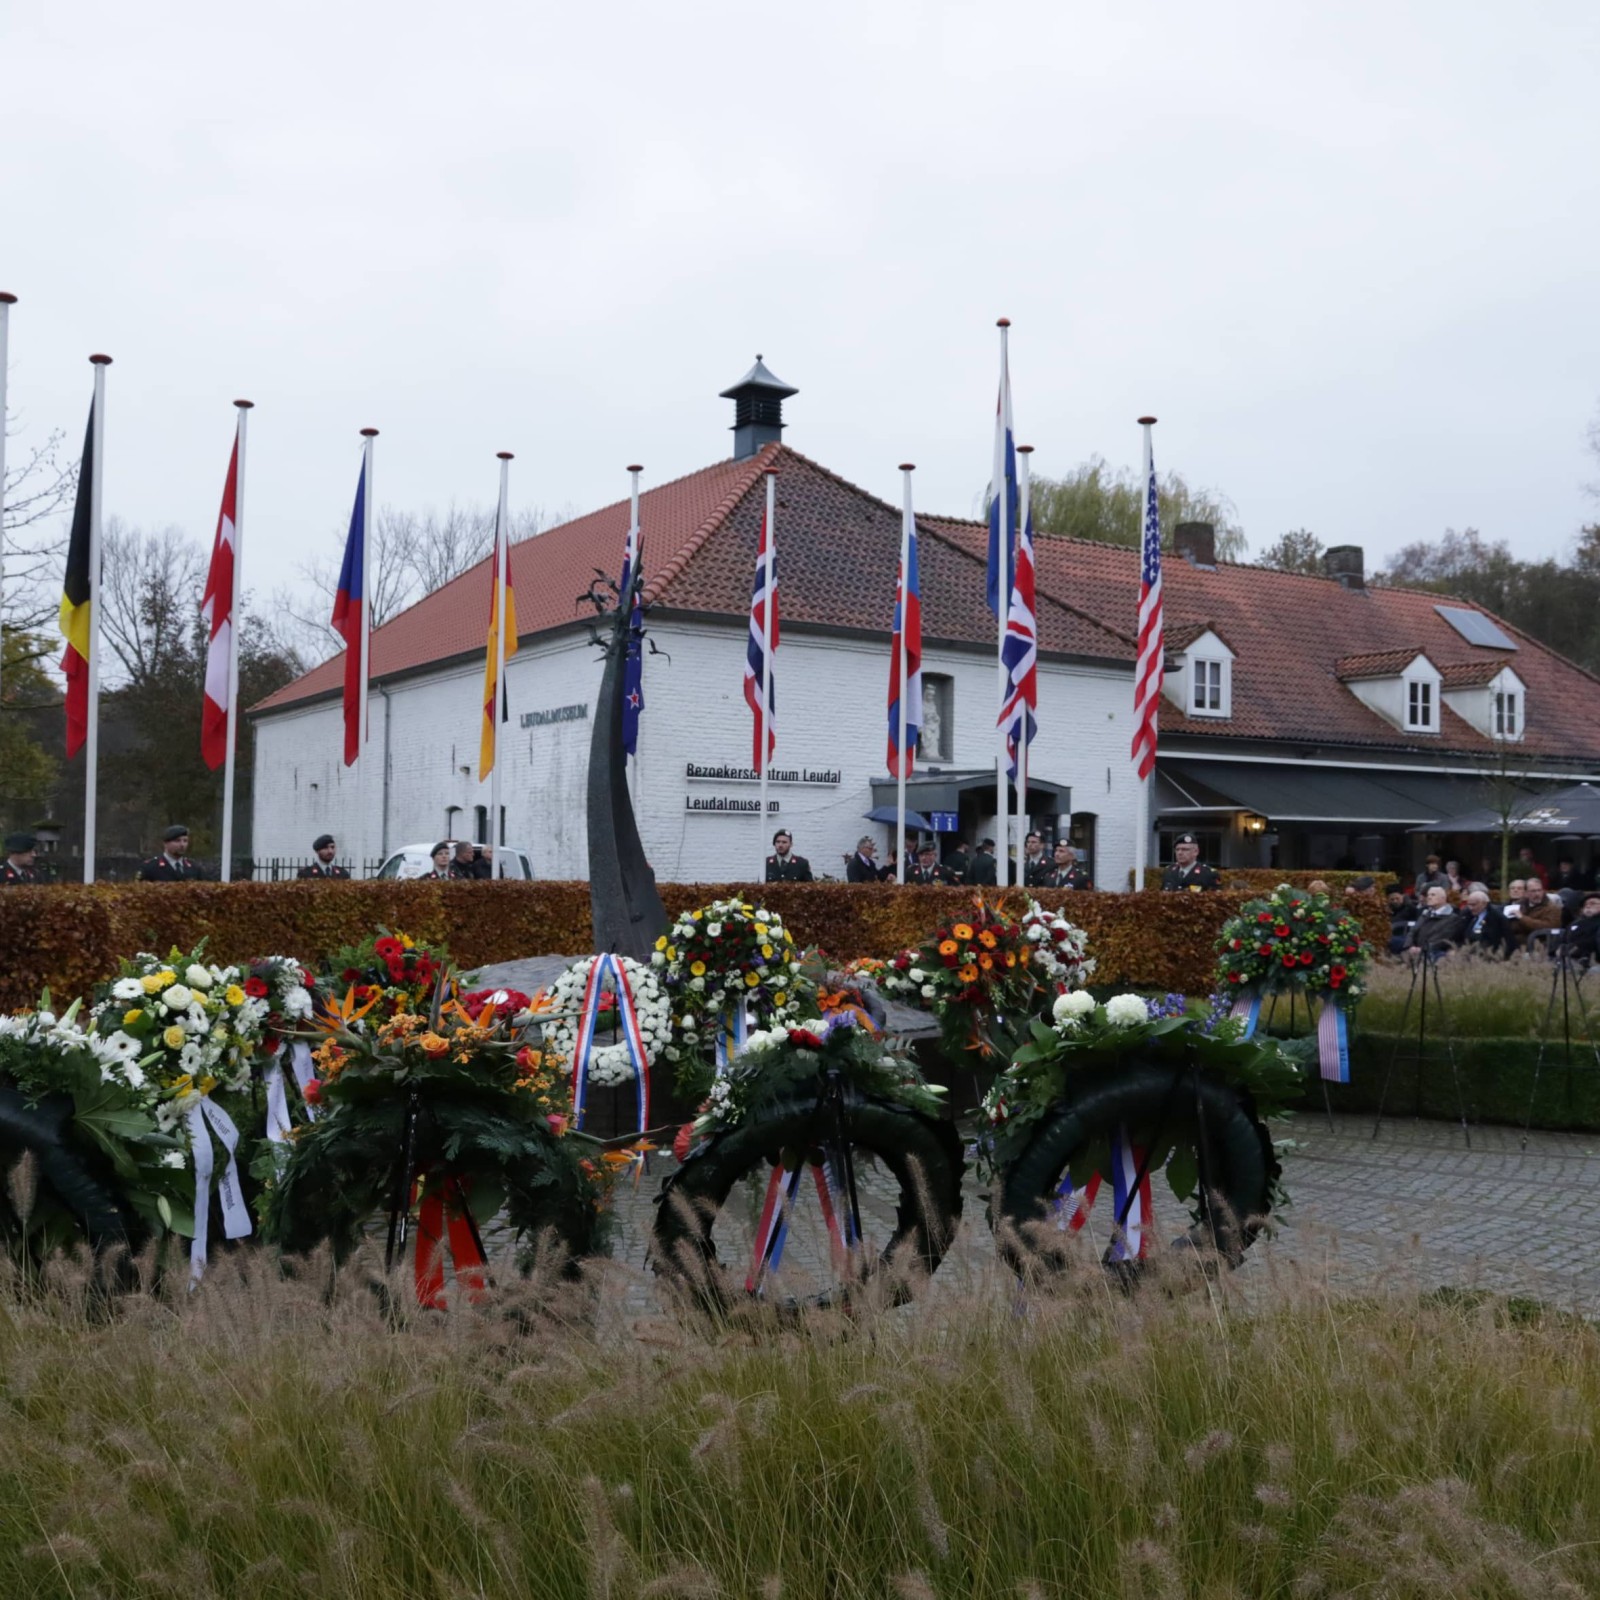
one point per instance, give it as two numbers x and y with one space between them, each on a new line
202 1118
732 1034
628 1025
1333 1039
279 1122
1247 1008
1130 1205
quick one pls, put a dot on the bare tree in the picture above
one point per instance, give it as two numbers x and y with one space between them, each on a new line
31 543
149 597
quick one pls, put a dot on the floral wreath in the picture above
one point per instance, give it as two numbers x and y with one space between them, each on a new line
1292 939
562 1016
287 990
1061 950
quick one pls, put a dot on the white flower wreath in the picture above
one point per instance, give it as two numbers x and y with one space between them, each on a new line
608 1064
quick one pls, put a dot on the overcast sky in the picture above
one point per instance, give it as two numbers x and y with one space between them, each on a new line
1349 259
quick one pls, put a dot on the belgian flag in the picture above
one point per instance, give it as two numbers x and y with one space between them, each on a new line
77 592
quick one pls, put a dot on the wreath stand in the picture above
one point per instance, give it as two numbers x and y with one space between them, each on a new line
1272 1011
1426 972
407 1173
1570 984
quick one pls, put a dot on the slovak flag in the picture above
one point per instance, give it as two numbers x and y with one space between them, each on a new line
1020 653
907 619
761 654
350 620
216 607
1002 490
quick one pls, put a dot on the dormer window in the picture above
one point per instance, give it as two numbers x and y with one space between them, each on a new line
1203 686
1419 706
1489 695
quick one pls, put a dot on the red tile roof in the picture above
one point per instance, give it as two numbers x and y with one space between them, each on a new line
1474 674
838 550
1375 664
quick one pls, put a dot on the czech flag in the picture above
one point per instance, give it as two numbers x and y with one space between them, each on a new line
350 621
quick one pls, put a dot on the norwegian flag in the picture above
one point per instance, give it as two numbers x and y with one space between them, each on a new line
1147 670
1002 489
907 620
761 654
216 607
1020 653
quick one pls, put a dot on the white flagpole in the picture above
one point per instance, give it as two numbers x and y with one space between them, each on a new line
502 573
1002 820
1141 847
369 590
7 300
234 620
766 662
1024 495
907 517
91 747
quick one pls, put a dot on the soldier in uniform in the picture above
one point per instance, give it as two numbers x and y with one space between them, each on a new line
173 864
1188 871
324 866
983 871
783 865
440 855
1065 873
18 865
927 870
1036 867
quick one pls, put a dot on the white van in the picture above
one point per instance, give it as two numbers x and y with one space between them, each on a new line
416 860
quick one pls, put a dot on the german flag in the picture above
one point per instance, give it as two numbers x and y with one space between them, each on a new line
76 596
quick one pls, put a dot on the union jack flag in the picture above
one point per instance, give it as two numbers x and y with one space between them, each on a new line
1020 653
1147 670
761 654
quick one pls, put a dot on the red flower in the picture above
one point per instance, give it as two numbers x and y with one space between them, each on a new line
1305 958
349 975
805 1038
680 1145
312 1092
1337 975
1263 949
1282 930
306 979
1235 944
389 947
255 988
1322 938
558 1123
1235 977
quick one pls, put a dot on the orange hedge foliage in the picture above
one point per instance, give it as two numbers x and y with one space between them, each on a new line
69 937
1263 880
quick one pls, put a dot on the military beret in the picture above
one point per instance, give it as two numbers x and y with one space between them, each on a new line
986 844
176 831
1186 838
322 841
18 843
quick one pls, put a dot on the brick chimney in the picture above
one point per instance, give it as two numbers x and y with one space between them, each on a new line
1346 564
1196 542
757 410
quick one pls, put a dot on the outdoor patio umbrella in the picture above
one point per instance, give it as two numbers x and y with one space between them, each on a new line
1575 810
914 819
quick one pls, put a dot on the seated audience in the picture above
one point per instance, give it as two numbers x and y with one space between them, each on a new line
1402 913
1431 876
1580 941
1434 932
1452 870
1482 926
1529 868
1569 875
1512 904
1541 913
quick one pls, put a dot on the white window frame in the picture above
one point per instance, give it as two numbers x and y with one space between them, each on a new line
1421 692
1206 674
1203 654
1508 699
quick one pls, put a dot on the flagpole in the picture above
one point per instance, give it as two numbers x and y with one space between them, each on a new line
630 769
766 662
7 300
1002 820
907 517
91 760
234 619
502 566
1141 848
1024 495
369 591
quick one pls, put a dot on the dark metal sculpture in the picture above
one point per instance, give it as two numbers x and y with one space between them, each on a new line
626 909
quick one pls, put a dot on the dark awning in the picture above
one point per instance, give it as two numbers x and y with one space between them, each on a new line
1574 811
1290 793
942 791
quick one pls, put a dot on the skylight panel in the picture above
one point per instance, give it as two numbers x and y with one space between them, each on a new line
1476 628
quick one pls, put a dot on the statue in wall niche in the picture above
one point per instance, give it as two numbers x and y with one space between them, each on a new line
931 738
623 902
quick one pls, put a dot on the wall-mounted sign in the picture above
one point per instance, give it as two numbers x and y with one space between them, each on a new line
542 719
945 821
722 804
720 772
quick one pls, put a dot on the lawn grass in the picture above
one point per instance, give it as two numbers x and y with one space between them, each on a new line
269 1437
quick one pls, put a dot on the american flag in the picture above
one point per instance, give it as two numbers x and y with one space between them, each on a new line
1148 669
1020 653
760 661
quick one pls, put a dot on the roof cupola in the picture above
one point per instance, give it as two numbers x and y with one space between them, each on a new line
757 410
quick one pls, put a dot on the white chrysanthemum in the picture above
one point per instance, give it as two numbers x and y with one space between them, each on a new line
1074 1006
133 1075
297 1003
173 1158
127 989
197 977
929 992
917 975
1126 1011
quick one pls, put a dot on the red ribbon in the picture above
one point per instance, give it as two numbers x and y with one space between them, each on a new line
444 1213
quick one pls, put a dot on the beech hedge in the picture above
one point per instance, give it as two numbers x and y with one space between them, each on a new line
68 937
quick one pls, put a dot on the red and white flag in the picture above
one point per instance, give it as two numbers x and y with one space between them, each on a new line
217 609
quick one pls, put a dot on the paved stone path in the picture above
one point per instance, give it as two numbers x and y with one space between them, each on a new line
1413 1205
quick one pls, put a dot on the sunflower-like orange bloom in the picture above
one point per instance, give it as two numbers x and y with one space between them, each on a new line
1022 955
986 961
987 939
968 974
947 947
1011 959
962 931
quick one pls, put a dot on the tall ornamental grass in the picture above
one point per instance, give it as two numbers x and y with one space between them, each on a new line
275 1436
1484 999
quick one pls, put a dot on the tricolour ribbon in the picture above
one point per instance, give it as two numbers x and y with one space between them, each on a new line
443 1214
628 1025
202 1119
1132 1207
1248 1009
1333 1039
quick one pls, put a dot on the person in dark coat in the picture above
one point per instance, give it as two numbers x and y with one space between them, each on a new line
1188 871
927 870
173 864
783 865
983 871
1036 863
1482 926
324 848
958 864
1432 876
1568 875
1434 932
1065 873
17 867
1580 940
862 866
